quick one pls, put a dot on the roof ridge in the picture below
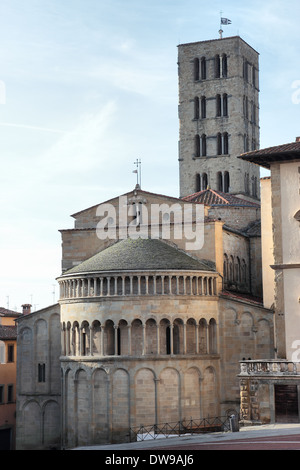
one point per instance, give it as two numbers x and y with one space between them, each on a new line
219 195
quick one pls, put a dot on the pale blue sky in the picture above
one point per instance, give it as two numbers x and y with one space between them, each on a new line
91 85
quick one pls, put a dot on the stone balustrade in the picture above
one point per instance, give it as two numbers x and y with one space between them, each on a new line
130 284
269 367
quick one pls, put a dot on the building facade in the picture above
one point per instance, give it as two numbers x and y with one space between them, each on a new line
150 334
270 389
8 361
38 407
160 297
219 116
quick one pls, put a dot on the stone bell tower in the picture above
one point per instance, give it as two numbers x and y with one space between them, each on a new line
218 115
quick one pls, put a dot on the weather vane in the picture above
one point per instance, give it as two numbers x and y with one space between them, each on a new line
223 21
138 172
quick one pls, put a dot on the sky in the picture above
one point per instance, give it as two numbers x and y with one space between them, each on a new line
89 86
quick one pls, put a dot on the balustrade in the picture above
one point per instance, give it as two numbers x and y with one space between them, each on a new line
138 284
269 367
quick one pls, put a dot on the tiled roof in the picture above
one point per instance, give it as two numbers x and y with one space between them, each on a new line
212 197
8 332
8 313
140 254
265 157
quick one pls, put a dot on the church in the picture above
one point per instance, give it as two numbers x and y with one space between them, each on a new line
160 297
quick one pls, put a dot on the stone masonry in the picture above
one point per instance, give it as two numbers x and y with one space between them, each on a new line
219 116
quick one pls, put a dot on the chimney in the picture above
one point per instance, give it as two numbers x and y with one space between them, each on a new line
297 139
26 309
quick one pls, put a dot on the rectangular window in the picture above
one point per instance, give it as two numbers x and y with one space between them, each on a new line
1 394
42 372
10 353
10 394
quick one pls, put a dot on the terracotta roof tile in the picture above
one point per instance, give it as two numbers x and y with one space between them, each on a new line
212 198
8 332
8 313
264 157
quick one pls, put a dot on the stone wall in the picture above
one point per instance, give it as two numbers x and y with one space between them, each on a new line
38 380
136 384
240 84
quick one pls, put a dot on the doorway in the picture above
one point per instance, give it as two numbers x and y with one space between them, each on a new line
286 404
5 439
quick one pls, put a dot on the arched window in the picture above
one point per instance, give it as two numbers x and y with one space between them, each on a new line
122 338
212 336
218 106
253 76
168 340
198 182
196 69
75 339
219 144
245 70
225 144
225 104
196 108
243 272
191 336
220 181
109 339
203 107
204 181
96 338
222 105
202 336
238 270
178 337
197 146
217 66
85 339
224 65
226 182
203 68
200 146
231 269
137 337
203 145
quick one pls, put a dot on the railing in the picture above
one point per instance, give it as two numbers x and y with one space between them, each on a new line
278 367
180 428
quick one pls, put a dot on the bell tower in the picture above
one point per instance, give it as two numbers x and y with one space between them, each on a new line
218 116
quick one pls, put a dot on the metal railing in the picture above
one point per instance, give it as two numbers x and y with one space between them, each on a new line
180 428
